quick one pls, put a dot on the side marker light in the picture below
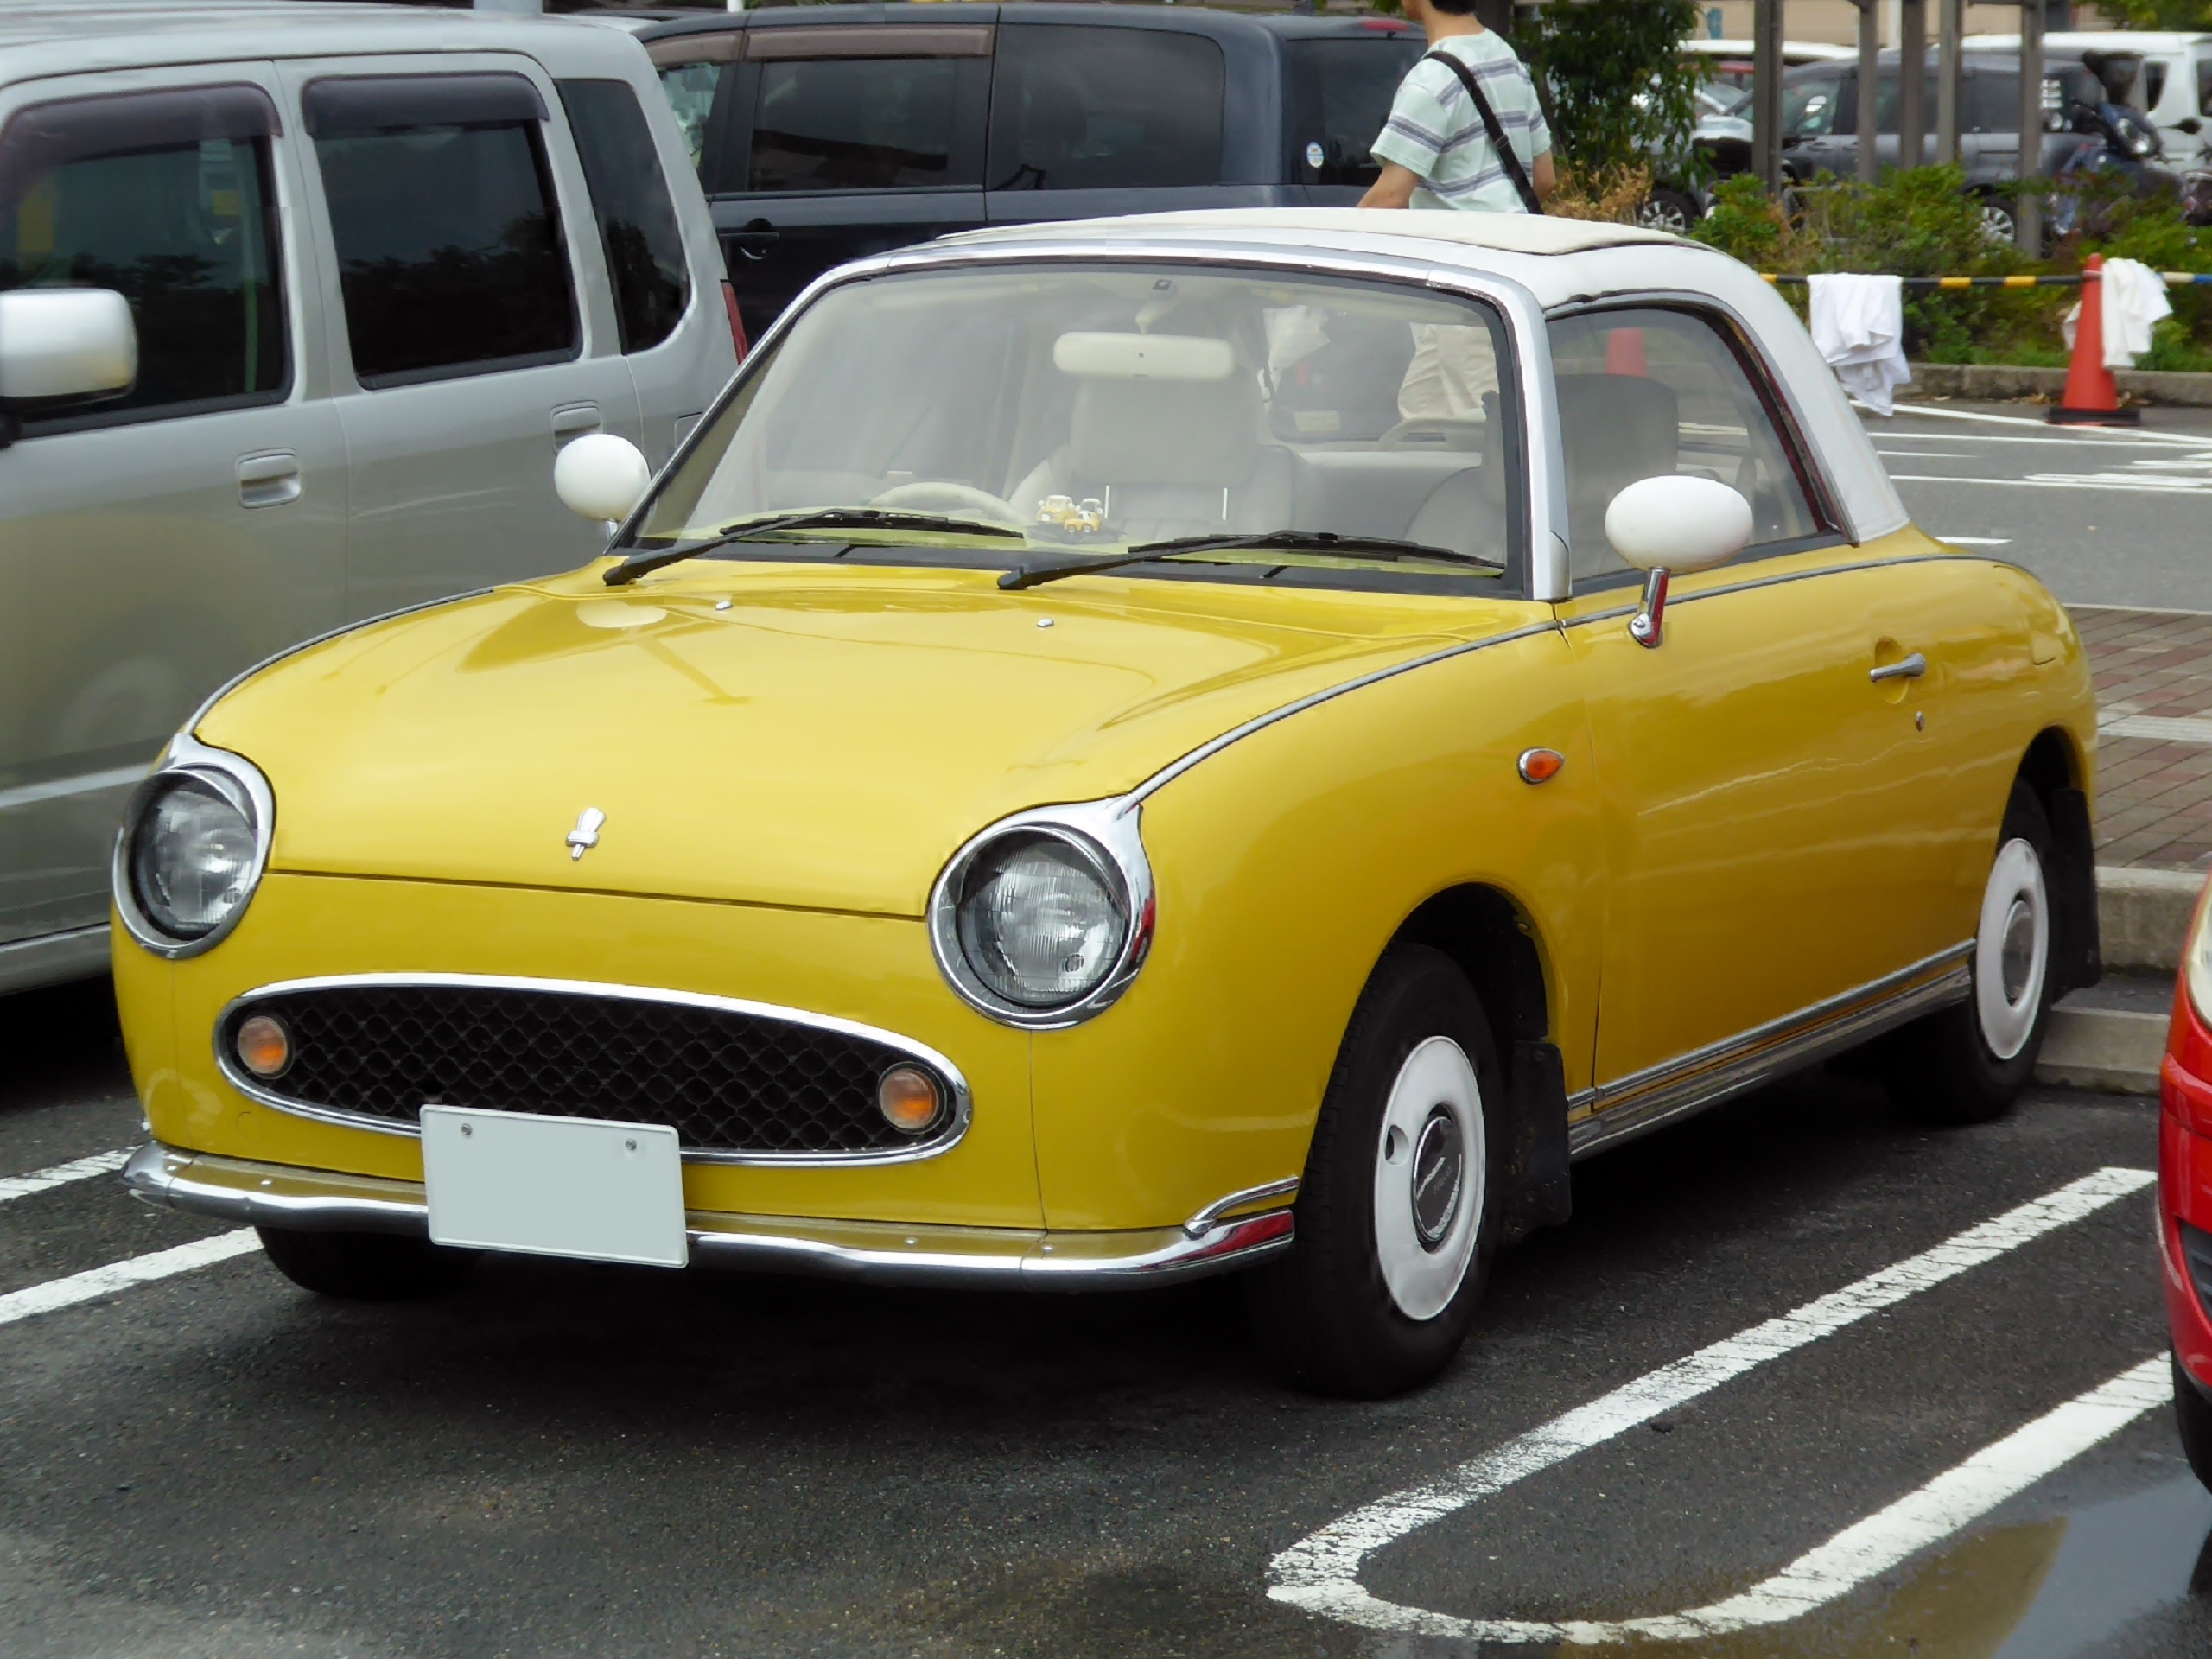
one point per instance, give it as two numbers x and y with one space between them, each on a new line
1541 766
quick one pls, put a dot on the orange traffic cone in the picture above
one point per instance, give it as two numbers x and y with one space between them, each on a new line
2092 398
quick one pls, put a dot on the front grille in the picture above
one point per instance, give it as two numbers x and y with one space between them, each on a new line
726 1080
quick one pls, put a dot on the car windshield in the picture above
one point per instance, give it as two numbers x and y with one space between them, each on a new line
1090 409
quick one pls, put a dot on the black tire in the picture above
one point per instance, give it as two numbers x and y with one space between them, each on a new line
2193 1415
1947 1069
1670 210
365 1267
1326 1312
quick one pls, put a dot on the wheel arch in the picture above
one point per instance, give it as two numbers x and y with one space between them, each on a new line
2055 771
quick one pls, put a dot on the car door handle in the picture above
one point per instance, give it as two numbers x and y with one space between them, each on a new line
1911 668
268 481
573 420
754 240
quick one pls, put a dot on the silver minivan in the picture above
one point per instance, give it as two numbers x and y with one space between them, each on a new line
379 266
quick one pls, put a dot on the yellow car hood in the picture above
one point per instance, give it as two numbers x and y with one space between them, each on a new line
826 741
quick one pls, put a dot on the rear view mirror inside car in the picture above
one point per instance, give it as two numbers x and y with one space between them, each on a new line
1143 357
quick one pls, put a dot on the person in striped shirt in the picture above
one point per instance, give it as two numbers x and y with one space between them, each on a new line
1434 148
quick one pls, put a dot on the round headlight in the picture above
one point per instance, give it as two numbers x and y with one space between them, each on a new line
1041 924
192 858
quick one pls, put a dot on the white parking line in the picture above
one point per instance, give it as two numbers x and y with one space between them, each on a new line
1320 1572
45 1181
2076 434
2148 484
95 1283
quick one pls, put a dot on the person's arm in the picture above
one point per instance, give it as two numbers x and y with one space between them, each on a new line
1545 177
1395 189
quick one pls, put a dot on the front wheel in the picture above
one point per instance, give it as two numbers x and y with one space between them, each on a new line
364 1267
1397 1215
1968 1063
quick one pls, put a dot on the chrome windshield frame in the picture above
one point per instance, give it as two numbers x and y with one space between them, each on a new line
1543 497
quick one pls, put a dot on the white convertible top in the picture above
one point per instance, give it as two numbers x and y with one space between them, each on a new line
1561 262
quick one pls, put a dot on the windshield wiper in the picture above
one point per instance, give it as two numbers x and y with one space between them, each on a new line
814 518
1287 541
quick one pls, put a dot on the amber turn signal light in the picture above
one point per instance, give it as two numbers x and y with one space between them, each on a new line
1541 766
264 1047
909 1099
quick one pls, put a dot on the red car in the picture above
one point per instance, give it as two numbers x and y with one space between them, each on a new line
2185 1192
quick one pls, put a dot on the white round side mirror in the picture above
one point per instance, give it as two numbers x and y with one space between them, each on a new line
601 477
1678 522
65 342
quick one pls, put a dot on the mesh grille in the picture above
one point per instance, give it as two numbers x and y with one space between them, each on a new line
725 1081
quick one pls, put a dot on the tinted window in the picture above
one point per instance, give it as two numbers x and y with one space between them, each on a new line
449 249
1645 392
1815 106
854 124
692 89
1091 109
1341 93
629 197
165 198
1991 102
2154 85
2204 85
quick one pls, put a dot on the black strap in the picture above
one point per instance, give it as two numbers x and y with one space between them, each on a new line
1514 170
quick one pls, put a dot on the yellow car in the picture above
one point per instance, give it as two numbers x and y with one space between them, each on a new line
1121 750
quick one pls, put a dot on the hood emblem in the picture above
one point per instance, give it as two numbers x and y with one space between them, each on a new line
585 835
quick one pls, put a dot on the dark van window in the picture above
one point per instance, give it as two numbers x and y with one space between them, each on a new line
449 249
165 197
1104 109
1340 97
1991 102
636 220
856 124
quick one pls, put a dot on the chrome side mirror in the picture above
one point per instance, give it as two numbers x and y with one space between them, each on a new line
1673 523
601 477
59 345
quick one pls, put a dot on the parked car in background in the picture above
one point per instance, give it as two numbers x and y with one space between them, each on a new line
2185 1192
827 133
1732 61
375 268
2171 84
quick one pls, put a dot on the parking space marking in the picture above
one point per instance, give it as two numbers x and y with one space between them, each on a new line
2079 435
45 1181
96 1282
1320 1572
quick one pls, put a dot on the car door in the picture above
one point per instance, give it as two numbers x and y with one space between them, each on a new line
1818 118
847 140
1337 94
478 334
1774 842
153 544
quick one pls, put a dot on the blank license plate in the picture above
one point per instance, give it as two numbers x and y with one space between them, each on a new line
574 1186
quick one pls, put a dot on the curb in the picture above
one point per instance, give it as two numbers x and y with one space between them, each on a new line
2112 1050
2000 381
2143 915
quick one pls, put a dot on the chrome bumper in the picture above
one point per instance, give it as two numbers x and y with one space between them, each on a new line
278 1195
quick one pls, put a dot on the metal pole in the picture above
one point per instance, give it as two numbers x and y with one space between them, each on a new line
1950 28
1870 90
1766 90
1912 82
2027 214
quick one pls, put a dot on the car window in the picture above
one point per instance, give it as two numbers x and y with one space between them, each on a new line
1813 107
692 89
450 256
856 123
1340 94
1646 391
1099 109
2154 84
637 221
166 198
2204 85
1991 101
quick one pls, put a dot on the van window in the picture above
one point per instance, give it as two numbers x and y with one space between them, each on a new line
166 198
450 256
1814 106
636 220
1991 102
2204 85
1340 97
856 123
2154 84
1097 109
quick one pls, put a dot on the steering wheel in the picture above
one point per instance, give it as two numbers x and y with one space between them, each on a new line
959 501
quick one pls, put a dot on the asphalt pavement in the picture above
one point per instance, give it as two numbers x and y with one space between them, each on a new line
561 1459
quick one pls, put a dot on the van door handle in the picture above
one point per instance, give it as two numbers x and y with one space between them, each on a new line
754 240
268 481
1911 668
573 421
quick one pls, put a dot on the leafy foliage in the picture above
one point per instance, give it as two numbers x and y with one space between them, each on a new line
1618 89
2162 13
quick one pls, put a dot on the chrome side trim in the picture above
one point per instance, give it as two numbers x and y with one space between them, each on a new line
240 782
52 958
1208 1218
276 1195
963 1099
1778 579
1690 1083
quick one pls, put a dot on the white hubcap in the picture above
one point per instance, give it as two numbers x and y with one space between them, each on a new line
1431 1170
2012 949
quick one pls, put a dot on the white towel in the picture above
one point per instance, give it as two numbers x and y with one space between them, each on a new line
1858 325
2134 299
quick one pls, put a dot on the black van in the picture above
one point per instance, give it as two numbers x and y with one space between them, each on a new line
825 133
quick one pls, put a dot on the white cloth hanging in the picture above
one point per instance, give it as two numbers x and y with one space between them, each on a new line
2134 299
1858 326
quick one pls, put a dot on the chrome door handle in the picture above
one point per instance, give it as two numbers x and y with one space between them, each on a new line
268 481
1911 668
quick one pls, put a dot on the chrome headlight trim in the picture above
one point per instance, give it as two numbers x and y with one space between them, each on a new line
240 782
1106 835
